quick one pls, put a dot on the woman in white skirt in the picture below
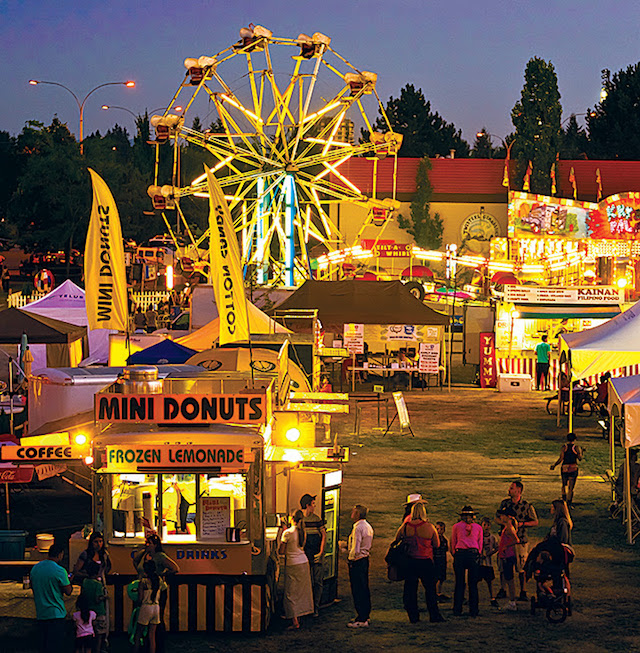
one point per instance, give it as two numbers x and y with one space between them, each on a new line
298 595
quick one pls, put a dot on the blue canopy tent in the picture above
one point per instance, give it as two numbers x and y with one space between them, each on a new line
166 352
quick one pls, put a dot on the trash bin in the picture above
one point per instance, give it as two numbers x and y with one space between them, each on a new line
12 544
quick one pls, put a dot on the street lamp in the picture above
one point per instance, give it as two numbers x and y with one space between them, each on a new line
507 148
575 115
128 84
106 107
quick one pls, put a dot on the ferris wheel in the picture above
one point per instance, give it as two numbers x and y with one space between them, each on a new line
284 112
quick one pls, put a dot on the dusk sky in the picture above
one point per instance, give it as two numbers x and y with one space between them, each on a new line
467 57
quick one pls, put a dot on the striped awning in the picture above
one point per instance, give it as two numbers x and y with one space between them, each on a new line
566 311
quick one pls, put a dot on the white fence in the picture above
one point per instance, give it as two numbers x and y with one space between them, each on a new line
142 299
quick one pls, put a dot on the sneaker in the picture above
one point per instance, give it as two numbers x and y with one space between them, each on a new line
523 596
501 594
512 606
494 603
358 624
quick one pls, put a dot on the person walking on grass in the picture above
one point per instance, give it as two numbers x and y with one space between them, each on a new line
570 455
316 539
149 591
543 349
360 541
466 544
298 595
422 539
50 584
507 555
562 522
440 554
84 619
489 548
525 515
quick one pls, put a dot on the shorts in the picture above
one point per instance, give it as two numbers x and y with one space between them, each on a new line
440 570
508 567
149 614
566 476
486 573
522 551
100 626
85 642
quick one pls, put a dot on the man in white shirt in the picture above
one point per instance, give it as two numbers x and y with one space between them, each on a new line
360 542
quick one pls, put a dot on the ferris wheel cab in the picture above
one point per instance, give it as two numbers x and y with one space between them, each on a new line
312 46
199 69
162 197
252 37
165 126
361 83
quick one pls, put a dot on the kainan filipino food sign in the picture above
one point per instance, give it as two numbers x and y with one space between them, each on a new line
181 409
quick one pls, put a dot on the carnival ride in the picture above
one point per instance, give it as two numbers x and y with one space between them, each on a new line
277 146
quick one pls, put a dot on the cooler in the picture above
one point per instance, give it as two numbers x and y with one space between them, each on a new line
515 383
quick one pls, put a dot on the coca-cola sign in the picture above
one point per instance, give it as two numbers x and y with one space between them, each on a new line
15 474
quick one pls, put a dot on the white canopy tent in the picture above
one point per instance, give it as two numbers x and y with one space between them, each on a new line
614 344
624 402
67 303
609 346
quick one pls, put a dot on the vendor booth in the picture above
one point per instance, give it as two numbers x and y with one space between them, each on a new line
50 341
212 462
624 405
529 312
383 315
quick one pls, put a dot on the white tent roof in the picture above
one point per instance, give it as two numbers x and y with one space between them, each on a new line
67 303
205 336
611 345
625 392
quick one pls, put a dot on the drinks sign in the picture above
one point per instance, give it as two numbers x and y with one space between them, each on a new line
429 361
354 338
168 456
558 295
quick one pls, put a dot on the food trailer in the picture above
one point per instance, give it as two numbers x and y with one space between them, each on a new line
211 463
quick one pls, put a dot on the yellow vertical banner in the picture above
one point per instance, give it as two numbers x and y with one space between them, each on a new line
226 271
105 276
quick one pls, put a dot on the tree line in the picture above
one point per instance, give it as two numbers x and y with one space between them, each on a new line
45 192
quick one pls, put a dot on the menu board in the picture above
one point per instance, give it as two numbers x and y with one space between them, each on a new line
429 361
215 517
354 338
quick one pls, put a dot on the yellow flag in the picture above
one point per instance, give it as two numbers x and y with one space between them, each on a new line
105 276
226 271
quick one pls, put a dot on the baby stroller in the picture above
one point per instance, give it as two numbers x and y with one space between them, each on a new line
548 565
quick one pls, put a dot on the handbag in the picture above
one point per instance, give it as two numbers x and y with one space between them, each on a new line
397 560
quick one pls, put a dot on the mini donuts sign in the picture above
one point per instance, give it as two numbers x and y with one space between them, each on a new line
181 409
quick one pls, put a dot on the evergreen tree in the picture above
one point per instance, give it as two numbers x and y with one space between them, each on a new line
614 127
536 118
52 202
425 133
574 143
425 227
482 146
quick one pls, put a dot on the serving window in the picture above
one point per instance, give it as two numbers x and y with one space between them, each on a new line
181 507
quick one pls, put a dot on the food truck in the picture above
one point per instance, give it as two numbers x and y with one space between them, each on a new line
212 463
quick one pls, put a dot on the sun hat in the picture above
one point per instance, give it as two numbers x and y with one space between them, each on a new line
412 498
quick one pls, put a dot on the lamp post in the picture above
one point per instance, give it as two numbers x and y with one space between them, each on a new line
128 84
508 150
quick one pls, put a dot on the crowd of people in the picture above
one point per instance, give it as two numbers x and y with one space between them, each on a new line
476 551
50 583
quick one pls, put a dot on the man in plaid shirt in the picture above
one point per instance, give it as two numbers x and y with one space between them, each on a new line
525 514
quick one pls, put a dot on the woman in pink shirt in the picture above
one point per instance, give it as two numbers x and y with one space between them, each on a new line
466 544
421 537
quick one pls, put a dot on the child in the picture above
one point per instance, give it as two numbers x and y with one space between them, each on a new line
83 619
440 561
489 547
149 590
93 588
507 554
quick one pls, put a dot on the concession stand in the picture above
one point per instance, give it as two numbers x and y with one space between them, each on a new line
211 463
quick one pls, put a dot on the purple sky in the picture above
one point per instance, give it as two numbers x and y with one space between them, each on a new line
468 57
